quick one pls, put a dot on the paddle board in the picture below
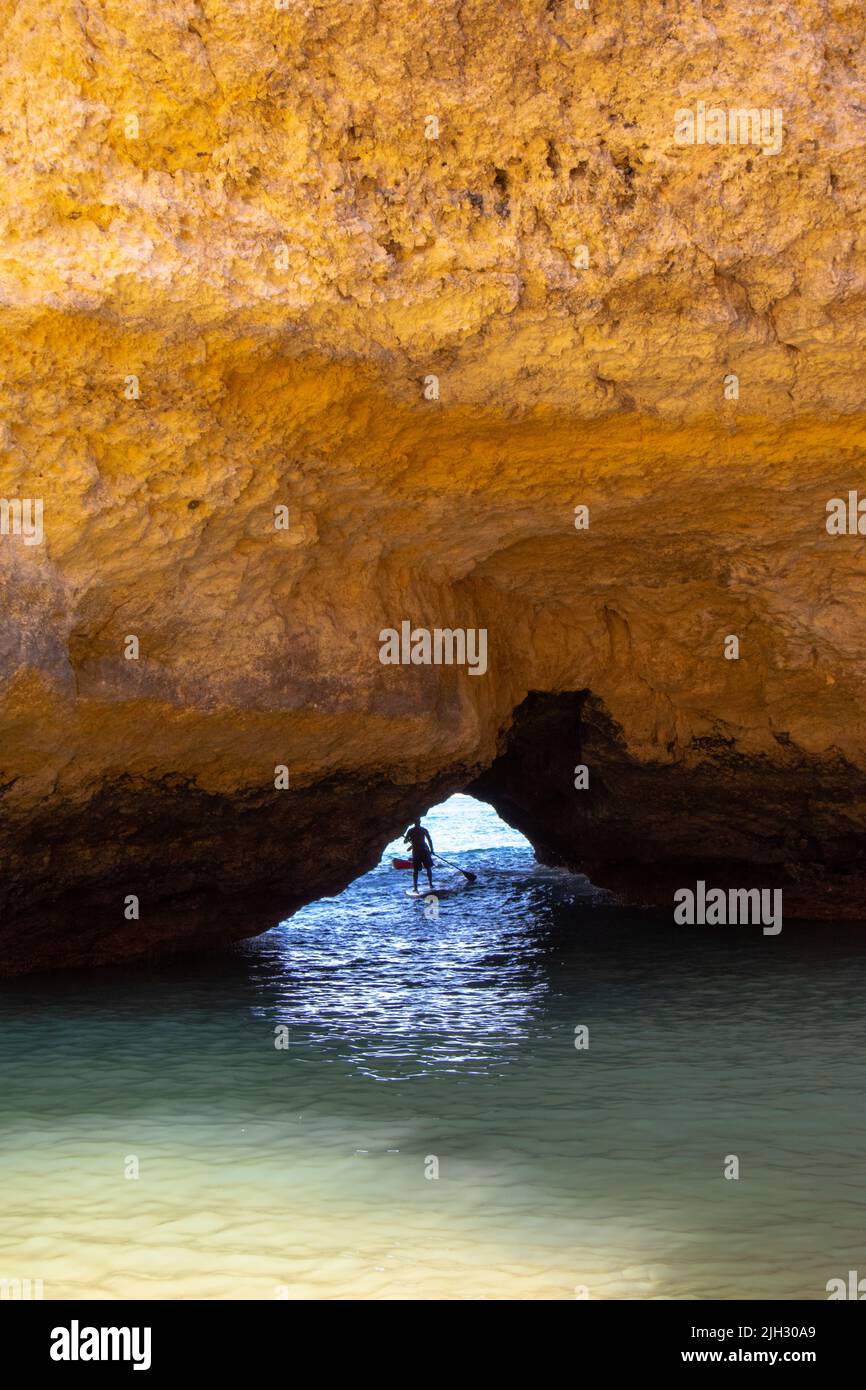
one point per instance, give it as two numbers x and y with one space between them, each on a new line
434 892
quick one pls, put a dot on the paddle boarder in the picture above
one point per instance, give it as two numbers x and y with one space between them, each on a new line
422 851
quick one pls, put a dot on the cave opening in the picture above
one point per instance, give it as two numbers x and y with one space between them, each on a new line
473 847
463 828
489 888
510 823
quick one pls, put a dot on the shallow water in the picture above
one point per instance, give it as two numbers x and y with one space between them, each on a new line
304 1172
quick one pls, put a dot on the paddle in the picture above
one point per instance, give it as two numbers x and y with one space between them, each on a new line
465 872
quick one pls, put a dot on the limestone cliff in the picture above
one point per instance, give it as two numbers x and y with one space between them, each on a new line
430 277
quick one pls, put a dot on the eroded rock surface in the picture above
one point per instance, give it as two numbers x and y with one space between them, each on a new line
231 264
644 830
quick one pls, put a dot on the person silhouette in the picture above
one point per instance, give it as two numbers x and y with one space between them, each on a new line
422 851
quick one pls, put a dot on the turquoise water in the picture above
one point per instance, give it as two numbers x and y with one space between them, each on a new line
419 1042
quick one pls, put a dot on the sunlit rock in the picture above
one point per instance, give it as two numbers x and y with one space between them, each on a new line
326 318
